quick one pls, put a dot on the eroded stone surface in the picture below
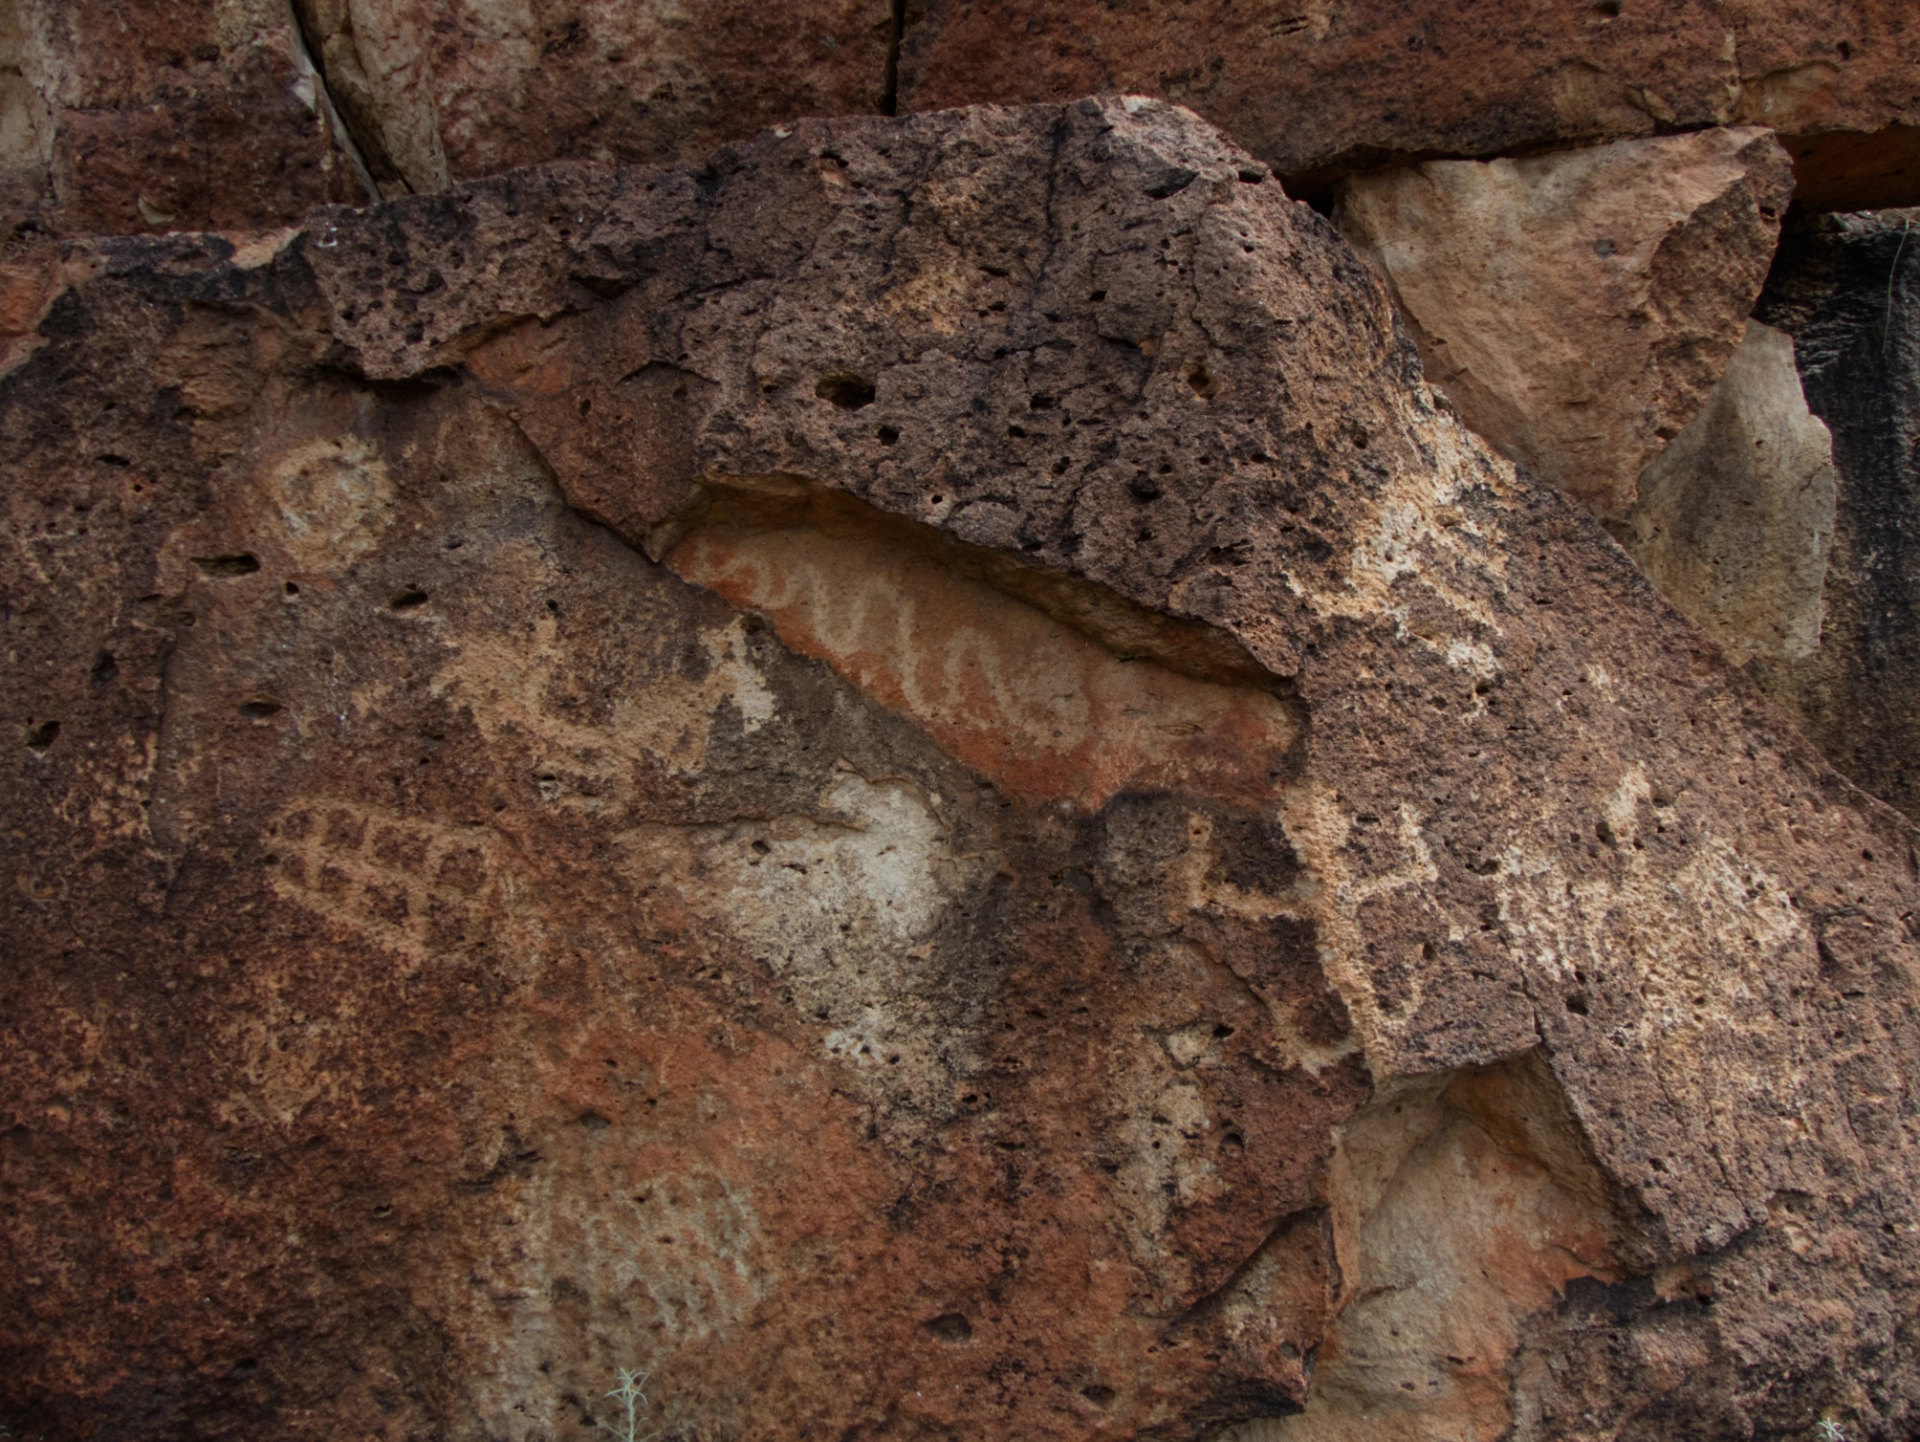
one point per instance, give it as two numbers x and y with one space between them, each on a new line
1735 518
1579 307
241 115
1320 89
436 90
459 956
134 117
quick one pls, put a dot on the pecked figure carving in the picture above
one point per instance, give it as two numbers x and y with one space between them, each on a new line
913 781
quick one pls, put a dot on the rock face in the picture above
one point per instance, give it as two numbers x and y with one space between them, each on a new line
1849 292
126 117
435 90
914 783
1320 89
237 115
1578 307
134 115
1735 517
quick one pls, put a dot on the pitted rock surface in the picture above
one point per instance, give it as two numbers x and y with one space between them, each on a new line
240 114
911 781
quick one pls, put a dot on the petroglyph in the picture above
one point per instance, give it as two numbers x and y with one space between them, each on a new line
1048 712
415 887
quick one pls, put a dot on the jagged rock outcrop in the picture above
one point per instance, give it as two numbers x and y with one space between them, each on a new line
1735 518
911 781
1848 290
1320 89
1578 307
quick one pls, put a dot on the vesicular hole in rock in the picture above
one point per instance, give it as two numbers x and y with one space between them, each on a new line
847 391
242 563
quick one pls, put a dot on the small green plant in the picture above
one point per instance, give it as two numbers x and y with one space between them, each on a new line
1828 1430
633 1401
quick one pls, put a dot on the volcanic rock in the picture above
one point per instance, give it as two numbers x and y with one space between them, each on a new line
435 90
240 115
1320 90
1578 307
1849 292
911 782
136 115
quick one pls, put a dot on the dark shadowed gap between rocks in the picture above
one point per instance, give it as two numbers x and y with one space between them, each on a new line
890 91
356 135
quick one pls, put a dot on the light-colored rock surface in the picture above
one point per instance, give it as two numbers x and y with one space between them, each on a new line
914 783
1735 517
1578 307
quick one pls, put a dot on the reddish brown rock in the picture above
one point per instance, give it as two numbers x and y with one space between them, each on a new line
1117 857
130 117
242 116
451 89
1319 89
1578 307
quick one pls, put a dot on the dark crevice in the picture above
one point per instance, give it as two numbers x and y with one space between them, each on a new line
357 135
890 86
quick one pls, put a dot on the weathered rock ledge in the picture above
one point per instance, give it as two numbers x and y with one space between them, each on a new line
911 780
239 114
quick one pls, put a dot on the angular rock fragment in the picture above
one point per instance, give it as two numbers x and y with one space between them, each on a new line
1578 307
1848 290
913 783
1735 517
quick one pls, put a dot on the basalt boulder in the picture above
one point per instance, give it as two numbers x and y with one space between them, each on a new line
910 781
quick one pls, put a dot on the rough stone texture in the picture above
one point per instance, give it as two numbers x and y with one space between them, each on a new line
1320 89
124 116
1117 866
436 90
1735 517
1578 307
1849 292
